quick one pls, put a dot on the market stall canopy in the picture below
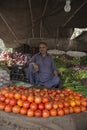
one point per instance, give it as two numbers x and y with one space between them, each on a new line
80 42
29 21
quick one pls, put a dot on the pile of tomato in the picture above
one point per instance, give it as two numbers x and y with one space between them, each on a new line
41 102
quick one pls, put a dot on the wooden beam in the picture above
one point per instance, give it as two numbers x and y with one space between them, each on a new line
32 21
8 26
76 11
44 10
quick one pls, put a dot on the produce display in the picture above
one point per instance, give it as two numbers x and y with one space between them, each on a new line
35 102
14 58
16 62
4 77
72 72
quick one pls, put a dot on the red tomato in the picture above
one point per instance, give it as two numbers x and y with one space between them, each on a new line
60 105
11 95
17 95
45 99
30 98
20 102
13 102
84 103
55 105
4 91
48 105
24 97
77 109
23 111
53 112
26 104
66 104
6 94
30 113
71 110
60 112
41 106
38 113
37 99
2 105
30 90
66 110
83 108
2 98
45 113
16 109
33 106
7 100
8 108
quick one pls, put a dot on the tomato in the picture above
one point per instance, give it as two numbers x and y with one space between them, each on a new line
16 109
30 90
17 95
77 97
66 110
30 113
41 93
49 91
56 98
58 91
45 99
66 104
24 97
77 109
11 95
62 96
2 105
7 100
71 110
33 106
26 104
67 89
66 99
83 99
23 111
60 112
83 108
8 108
45 113
60 105
30 98
78 102
4 91
7 94
20 102
53 112
84 103
41 106
11 88
48 105
13 102
37 99
2 98
38 113
55 105
72 103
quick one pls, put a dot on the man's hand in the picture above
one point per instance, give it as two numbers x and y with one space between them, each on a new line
55 73
36 68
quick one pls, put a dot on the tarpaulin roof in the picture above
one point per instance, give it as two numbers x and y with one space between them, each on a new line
22 21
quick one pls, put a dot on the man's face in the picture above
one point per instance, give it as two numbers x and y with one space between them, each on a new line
43 49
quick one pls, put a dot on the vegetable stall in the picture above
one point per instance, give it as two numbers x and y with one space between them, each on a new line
40 105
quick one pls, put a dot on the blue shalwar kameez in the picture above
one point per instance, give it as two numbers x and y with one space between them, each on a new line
44 76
